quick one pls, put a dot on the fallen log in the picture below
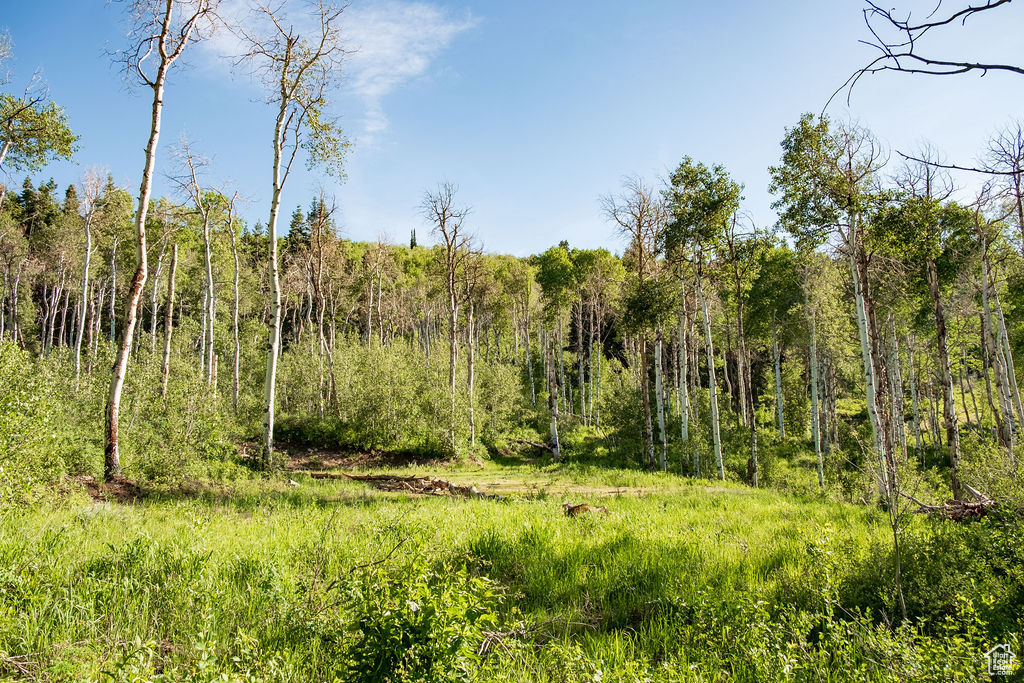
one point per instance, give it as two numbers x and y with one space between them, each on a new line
411 484
956 510
535 444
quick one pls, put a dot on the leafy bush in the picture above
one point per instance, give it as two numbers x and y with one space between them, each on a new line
426 624
34 439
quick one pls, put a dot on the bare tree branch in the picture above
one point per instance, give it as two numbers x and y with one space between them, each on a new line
898 42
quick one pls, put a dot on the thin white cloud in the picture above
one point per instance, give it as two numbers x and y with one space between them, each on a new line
391 41
394 42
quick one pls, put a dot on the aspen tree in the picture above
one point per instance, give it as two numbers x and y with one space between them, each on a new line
161 31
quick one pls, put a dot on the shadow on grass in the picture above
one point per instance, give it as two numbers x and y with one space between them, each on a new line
247 496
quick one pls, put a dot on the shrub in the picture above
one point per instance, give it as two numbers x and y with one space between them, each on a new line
424 625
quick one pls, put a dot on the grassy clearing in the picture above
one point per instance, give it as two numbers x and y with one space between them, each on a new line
332 580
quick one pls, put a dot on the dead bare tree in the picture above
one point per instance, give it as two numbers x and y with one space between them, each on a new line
446 218
320 224
639 215
1005 159
191 166
92 186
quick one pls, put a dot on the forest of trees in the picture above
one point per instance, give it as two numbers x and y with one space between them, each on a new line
873 326
859 350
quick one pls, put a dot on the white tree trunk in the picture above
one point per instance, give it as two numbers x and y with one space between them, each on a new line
779 413
995 358
470 358
659 390
712 384
815 421
913 397
85 295
566 406
549 372
870 381
580 379
897 392
273 353
111 456
529 366
211 301
236 352
684 392
168 322
153 303
1011 370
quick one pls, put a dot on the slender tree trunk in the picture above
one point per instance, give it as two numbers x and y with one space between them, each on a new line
974 401
211 305
741 358
963 397
899 421
452 360
168 323
549 372
111 460
813 362
62 334
1005 417
746 388
201 342
591 352
580 378
726 350
870 381
914 399
779 414
712 383
3 303
566 404
236 347
600 353
369 314
58 293
274 352
1011 371
659 389
380 315
529 366
98 319
684 393
645 388
946 376
154 311
470 356
16 335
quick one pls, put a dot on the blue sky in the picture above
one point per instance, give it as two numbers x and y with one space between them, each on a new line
533 109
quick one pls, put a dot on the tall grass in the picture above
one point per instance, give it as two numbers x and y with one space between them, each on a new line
273 582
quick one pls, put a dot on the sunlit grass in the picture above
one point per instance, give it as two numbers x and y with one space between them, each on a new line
260 572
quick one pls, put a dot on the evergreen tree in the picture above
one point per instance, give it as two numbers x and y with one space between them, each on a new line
298 230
